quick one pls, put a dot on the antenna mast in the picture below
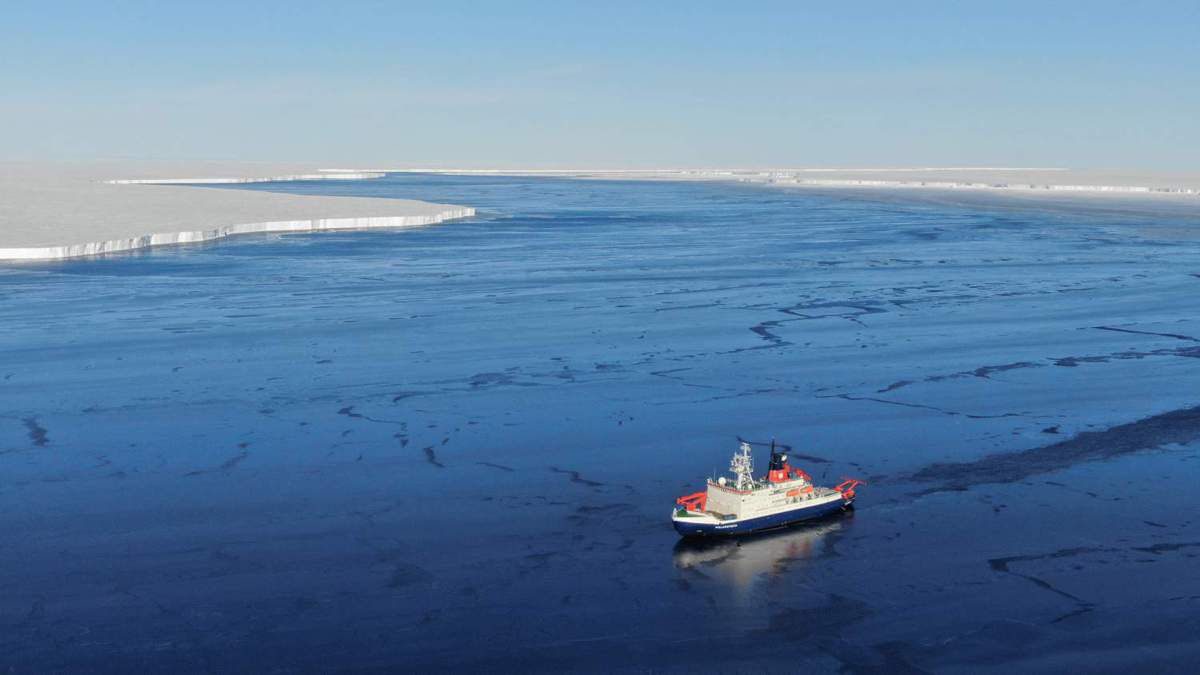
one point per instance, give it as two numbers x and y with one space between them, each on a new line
742 467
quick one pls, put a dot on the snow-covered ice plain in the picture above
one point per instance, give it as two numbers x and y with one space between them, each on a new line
455 447
54 211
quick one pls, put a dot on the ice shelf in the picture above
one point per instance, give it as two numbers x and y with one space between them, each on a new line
53 211
195 236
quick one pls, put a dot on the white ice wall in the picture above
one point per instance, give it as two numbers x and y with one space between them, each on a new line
161 239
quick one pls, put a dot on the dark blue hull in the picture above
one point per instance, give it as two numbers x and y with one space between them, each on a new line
687 529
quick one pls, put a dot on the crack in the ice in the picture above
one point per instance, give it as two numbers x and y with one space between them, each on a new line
894 386
1156 549
576 477
431 457
232 462
985 372
952 413
763 329
1175 336
348 411
226 466
501 467
37 433
1003 565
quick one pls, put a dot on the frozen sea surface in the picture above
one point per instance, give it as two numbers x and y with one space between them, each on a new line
456 448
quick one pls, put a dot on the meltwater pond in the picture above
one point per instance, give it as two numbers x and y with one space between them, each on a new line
457 447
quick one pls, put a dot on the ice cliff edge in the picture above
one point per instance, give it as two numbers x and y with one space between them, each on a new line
64 251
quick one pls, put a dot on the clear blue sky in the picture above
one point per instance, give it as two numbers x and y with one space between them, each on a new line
1084 84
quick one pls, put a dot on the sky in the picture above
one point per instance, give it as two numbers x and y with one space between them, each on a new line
606 84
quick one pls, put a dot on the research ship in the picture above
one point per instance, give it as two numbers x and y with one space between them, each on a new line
746 504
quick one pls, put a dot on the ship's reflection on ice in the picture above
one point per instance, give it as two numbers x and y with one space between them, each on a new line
742 562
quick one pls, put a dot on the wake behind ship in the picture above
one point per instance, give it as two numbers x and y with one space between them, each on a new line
786 495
